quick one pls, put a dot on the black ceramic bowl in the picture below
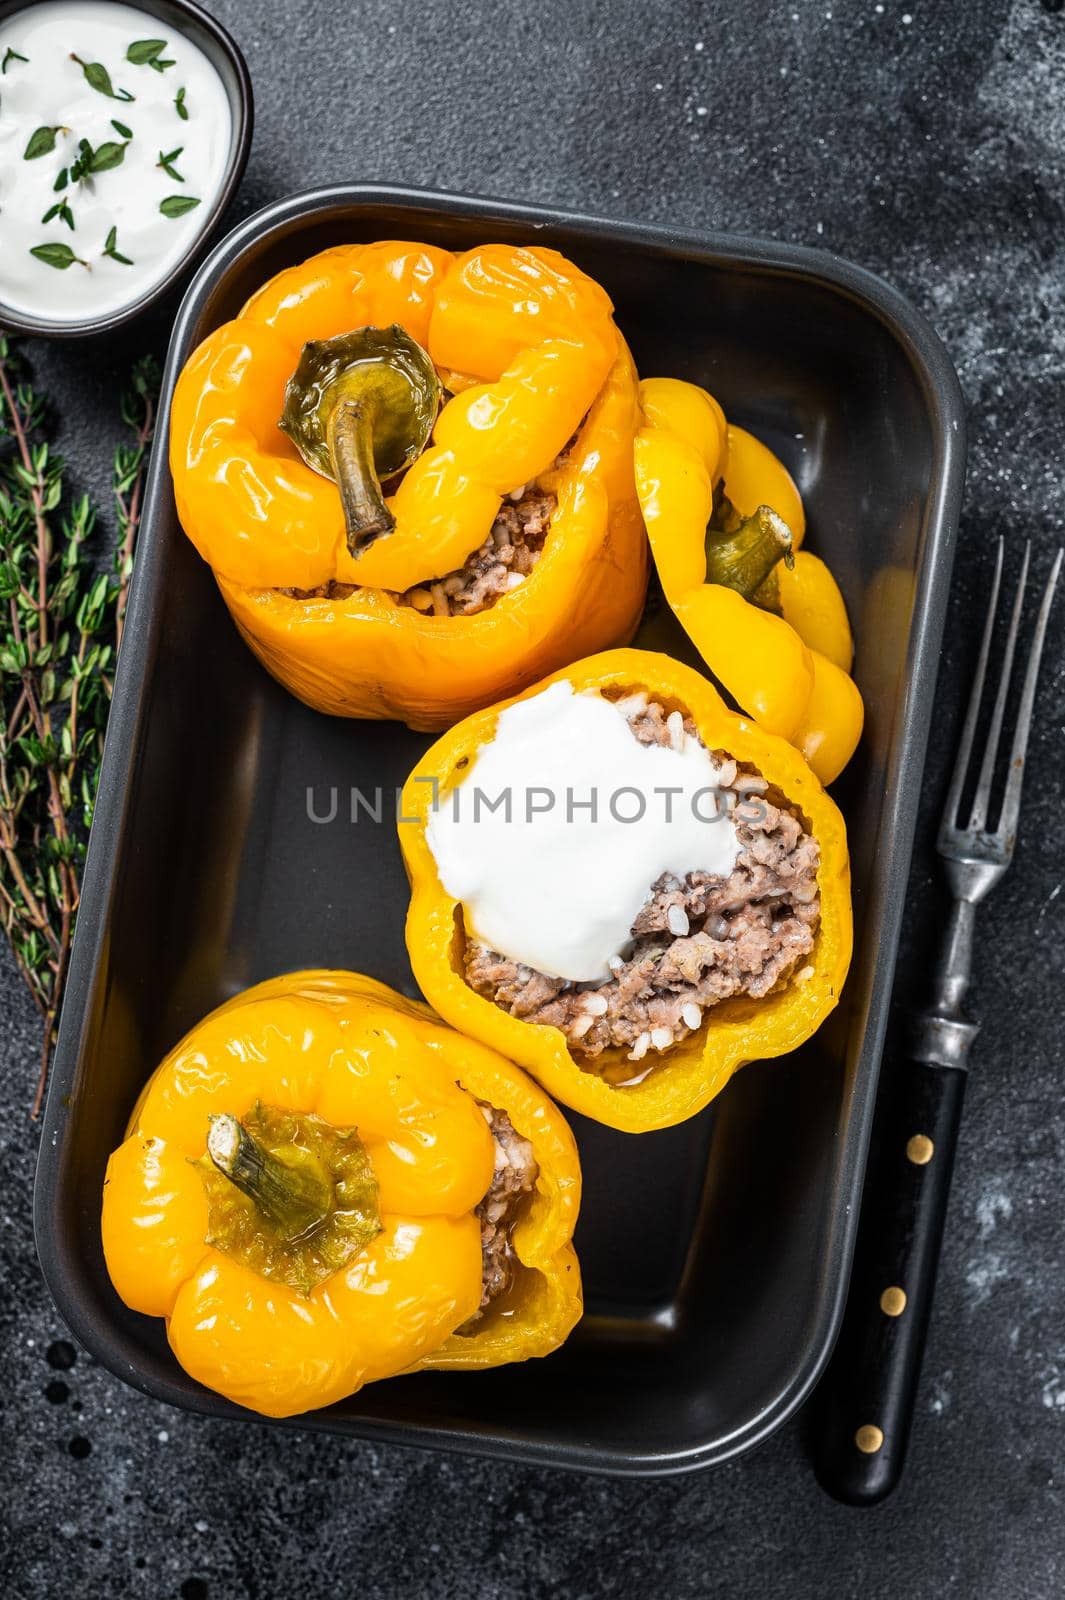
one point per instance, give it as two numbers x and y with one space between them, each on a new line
222 52
715 1254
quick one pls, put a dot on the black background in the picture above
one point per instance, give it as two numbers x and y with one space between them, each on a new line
926 141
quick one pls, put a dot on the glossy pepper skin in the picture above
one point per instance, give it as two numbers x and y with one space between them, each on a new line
358 1055
789 671
738 1030
527 344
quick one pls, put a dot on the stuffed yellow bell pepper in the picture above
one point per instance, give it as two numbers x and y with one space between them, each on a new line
411 473
630 968
726 524
322 1186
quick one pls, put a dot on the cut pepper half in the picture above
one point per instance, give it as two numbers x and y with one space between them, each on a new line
731 1033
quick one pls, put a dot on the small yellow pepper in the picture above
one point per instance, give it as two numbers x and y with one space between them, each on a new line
296 1197
733 1032
811 602
754 476
757 656
773 631
334 371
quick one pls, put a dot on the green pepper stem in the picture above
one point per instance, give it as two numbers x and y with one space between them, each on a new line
744 559
724 518
350 437
295 1200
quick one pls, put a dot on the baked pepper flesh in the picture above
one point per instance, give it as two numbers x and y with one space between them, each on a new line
726 526
322 1186
712 965
411 473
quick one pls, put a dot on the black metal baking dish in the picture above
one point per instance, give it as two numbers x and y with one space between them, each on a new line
715 1254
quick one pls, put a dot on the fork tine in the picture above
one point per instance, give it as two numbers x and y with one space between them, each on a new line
961 761
1011 799
981 800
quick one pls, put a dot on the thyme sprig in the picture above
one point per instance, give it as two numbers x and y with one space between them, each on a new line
42 142
149 53
167 159
176 205
97 77
60 622
89 161
137 407
61 210
111 249
54 253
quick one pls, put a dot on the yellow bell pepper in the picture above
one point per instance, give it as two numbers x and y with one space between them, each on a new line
348 352
773 631
296 1195
693 415
754 476
811 602
757 656
736 1031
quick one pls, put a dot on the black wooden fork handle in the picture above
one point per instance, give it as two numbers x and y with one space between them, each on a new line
867 1395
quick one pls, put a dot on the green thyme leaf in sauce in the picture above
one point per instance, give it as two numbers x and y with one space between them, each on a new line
98 78
176 205
166 161
111 249
120 127
141 51
89 161
106 156
9 56
179 105
148 53
82 166
41 142
60 256
62 210
62 178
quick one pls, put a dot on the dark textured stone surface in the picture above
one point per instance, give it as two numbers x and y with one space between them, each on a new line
927 142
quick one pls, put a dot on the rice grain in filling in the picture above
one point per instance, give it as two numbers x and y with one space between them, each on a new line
697 940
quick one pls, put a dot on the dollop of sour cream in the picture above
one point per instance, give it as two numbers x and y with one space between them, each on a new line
548 879
109 224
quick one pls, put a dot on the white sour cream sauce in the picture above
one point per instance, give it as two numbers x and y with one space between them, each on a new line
554 887
49 90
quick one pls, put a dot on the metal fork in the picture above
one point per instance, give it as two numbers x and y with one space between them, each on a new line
868 1393
974 859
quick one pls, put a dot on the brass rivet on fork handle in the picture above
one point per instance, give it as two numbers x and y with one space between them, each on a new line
876 1365
893 1301
919 1149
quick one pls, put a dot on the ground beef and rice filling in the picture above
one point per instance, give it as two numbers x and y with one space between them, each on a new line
697 940
499 565
513 1179
502 562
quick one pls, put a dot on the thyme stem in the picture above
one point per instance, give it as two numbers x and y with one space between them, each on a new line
60 620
